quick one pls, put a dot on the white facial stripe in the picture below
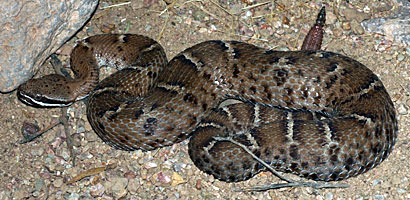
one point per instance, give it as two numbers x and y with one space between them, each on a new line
35 102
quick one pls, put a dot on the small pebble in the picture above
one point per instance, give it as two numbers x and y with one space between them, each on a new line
178 167
65 154
80 129
177 179
353 14
73 196
70 111
388 57
104 4
133 186
37 151
329 196
163 178
150 165
236 9
359 197
198 184
36 193
148 27
248 14
346 26
118 187
309 190
202 30
378 197
167 164
130 175
376 181
56 143
402 109
408 51
20 194
357 28
88 128
97 190
400 57
58 183
144 174
199 15
396 180
330 18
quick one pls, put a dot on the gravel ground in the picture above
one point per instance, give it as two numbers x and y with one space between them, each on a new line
41 169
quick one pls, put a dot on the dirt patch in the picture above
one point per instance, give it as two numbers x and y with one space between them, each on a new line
41 168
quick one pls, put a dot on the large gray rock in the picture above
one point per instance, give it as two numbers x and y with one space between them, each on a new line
396 27
33 29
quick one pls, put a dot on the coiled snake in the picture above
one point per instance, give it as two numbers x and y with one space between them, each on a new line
318 114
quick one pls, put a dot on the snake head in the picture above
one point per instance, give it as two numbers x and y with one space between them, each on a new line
48 91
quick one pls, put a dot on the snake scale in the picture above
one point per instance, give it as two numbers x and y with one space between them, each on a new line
317 114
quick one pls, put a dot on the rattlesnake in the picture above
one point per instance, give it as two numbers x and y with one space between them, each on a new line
318 114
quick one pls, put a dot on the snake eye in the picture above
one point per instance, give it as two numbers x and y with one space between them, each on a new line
37 97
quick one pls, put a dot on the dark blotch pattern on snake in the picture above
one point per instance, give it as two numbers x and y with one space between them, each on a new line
321 115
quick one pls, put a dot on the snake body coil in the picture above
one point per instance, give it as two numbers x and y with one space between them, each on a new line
317 114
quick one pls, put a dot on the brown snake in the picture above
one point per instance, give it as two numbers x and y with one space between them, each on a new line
318 114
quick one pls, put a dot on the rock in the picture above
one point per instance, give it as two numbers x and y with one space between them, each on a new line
177 179
352 14
331 18
133 186
97 190
58 182
402 109
356 28
376 182
378 197
32 30
396 27
329 196
73 196
117 187
21 194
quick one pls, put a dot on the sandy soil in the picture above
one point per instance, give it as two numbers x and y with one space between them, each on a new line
41 169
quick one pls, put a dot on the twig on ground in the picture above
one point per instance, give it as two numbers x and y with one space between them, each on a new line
91 172
221 7
290 182
256 5
293 184
58 68
69 139
210 14
28 137
163 28
116 5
